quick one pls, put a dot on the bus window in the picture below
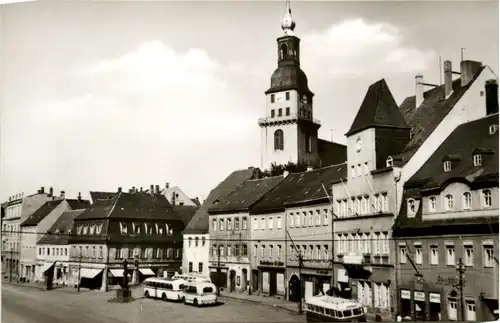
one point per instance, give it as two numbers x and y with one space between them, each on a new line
181 286
338 314
208 290
357 311
347 313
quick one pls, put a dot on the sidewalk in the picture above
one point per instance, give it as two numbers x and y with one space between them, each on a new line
265 300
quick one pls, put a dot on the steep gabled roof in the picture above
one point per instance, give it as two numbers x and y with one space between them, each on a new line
199 222
379 109
462 143
186 212
331 153
424 119
245 195
60 230
196 201
138 205
299 188
78 204
41 213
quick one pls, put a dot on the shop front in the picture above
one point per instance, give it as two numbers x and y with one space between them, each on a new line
420 308
273 277
434 306
405 303
219 278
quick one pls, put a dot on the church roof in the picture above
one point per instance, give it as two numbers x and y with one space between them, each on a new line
379 109
289 77
199 223
301 188
245 195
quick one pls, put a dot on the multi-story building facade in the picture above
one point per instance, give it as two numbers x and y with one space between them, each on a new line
366 202
288 131
295 217
230 233
196 253
435 113
53 249
36 226
449 218
136 226
17 209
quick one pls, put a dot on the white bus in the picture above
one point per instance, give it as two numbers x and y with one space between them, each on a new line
164 288
192 278
199 294
324 308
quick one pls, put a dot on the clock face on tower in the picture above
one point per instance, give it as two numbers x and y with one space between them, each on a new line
358 145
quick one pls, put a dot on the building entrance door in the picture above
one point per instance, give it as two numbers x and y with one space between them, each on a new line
232 281
272 283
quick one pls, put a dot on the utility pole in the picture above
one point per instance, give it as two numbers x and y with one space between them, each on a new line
10 266
218 270
79 269
301 263
461 271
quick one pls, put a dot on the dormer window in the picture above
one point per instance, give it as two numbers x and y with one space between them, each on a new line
92 229
166 228
447 166
432 204
85 229
389 162
99 229
136 228
79 230
486 198
123 228
412 207
467 200
478 160
493 129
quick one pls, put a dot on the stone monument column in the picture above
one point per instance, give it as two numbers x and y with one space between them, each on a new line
104 285
135 274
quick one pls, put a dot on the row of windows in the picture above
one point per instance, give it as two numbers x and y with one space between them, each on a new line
89 229
267 223
228 223
487 259
230 250
359 170
367 243
317 252
200 267
449 202
196 241
87 252
10 228
160 228
362 205
309 218
280 112
45 251
13 246
13 211
144 253
279 141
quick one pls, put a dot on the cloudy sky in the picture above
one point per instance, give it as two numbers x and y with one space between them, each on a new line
96 95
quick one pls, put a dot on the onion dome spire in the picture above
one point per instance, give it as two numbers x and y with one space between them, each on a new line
287 23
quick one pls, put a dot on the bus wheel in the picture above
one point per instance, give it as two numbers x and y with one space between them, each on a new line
163 297
146 293
184 300
195 302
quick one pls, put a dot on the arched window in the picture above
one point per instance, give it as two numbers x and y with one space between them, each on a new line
467 200
487 198
412 208
432 204
448 202
278 140
283 50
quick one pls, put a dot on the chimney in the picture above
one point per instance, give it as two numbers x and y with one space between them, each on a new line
62 195
309 168
173 198
419 90
79 196
285 173
467 71
133 189
42 190
157 192
491 89
119 189
167 185
51 192
448 78
151 189
141 189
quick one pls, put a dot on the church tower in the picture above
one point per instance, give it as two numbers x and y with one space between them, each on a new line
288 131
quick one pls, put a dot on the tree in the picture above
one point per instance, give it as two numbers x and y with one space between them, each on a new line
277 170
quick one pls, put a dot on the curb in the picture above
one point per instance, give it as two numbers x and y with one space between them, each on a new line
261 303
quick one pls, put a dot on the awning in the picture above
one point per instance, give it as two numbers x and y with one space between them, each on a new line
147 272
47 266
116 272
89 273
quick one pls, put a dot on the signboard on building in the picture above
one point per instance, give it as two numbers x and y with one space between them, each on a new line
342 275
419 296
272 263
405 294
434 298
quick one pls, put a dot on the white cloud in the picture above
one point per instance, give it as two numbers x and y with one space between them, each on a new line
354 47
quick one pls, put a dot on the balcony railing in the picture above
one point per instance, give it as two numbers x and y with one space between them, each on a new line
289 118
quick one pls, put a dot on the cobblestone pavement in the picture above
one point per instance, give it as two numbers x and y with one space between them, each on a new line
22 304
